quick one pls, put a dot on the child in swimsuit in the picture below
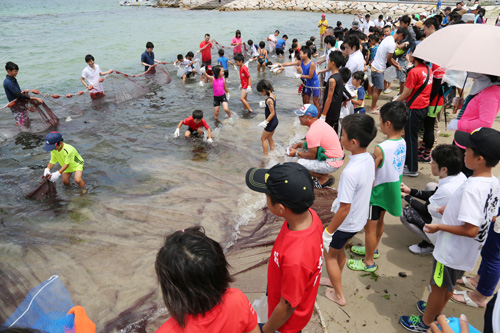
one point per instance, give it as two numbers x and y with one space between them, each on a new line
220 91
262 58
271 122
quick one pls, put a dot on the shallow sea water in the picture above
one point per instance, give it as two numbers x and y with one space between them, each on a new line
142 182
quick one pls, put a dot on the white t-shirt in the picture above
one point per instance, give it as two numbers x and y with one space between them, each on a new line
272 42
355 64
446 188
379 24
92 75
327 53
365 26
387 46
475 202
355 187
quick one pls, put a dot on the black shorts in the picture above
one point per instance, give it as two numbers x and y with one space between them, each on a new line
279 51
206 63
450 276
218 100
375 212
189 74
193 132
340 239
226 73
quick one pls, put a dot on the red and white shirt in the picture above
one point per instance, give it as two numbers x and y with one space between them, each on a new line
294 271
233 314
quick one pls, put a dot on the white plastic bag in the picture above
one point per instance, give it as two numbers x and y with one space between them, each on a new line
260 307
390 74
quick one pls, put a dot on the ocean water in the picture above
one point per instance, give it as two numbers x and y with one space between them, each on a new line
142 182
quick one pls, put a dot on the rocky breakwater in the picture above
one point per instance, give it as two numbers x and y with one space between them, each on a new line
323 6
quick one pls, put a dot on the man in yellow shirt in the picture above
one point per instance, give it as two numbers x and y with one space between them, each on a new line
67 157
322 25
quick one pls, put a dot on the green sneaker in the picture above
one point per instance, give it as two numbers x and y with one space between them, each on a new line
360 251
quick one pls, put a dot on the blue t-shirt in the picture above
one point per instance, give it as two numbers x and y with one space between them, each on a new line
361 96
11 87
223 62
373 52
280 44
148 59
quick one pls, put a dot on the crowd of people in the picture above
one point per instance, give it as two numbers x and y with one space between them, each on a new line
455 218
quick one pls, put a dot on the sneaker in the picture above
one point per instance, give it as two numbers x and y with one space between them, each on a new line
421 148
413 323
421 305
424 158
421 248
409 173
387 91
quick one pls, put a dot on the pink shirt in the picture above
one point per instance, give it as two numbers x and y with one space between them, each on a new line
322 134
481 110
237 49
218 86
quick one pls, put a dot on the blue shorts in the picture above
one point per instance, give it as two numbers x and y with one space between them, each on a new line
310 91
378 80
340 238
359 110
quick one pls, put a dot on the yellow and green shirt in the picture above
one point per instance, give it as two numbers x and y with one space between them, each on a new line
67 155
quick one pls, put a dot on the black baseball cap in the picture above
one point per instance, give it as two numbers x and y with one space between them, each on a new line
484 140
290 183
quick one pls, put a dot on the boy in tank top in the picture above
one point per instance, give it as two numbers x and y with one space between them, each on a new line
386 193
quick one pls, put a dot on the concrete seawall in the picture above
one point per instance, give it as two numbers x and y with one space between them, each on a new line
323 6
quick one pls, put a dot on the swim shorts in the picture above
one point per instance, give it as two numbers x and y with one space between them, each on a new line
280 51
311 91
218 100
97 95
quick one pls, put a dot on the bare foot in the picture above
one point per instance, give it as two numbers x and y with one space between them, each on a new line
325 281
473 297
330 294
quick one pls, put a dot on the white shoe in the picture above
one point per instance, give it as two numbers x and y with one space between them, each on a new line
387 91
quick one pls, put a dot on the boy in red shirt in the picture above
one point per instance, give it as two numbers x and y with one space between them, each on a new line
296 259
246 80
195 124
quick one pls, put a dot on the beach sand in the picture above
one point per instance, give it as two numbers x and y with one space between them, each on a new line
374 301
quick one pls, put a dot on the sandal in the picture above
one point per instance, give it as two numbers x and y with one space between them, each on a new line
467 299
358 265
361 251
466 283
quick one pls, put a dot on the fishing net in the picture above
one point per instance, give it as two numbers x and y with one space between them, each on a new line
31 116
45 190
44 308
